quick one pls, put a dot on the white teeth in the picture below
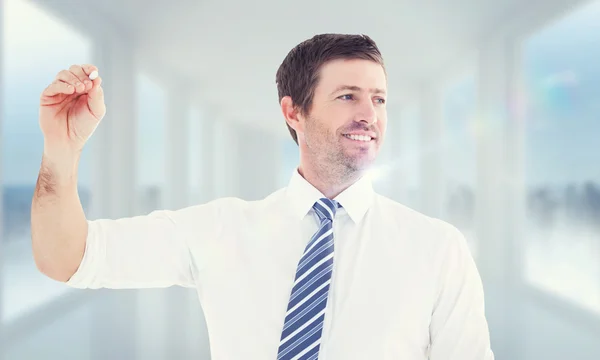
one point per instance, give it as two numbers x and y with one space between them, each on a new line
359 137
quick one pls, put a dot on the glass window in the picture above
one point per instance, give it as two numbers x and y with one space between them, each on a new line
151 144
21 145
290 160
410 156
562 157
70 336
459 105
195 156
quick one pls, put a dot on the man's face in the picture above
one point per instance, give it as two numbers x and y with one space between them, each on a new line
348 117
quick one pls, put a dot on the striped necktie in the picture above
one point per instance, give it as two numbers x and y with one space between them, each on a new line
301 336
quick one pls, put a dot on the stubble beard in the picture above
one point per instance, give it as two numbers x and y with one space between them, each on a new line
327 155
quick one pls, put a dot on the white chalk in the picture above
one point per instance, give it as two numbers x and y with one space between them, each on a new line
94 75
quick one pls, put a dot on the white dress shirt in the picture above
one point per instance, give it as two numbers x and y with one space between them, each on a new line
404 285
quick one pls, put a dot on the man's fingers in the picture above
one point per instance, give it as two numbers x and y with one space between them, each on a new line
70 78
89 69
82 76
58 87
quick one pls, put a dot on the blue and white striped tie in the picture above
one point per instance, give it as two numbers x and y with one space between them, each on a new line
301 336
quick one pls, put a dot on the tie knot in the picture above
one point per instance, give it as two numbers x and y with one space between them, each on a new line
325 208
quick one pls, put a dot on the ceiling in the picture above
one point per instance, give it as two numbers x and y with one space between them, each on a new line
230 49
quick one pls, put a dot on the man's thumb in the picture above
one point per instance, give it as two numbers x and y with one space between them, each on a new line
96 99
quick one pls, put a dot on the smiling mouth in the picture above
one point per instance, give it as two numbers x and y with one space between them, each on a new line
362 138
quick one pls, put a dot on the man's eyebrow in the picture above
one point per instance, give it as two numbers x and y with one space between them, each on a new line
357 88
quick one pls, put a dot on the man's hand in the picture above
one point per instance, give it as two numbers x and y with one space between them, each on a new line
71 108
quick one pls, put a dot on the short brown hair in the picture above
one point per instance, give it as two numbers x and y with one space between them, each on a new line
298 74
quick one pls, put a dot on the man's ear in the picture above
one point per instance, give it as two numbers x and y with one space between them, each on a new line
291 114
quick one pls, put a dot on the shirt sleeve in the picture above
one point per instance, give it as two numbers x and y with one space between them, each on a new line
458 328
148 251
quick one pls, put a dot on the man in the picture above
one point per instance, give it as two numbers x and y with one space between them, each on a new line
322 269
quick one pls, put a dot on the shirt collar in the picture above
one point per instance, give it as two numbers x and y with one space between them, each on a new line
356 199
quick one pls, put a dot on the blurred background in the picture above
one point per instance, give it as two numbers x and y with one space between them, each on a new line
494 126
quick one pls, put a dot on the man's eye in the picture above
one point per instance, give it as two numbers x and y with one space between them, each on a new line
346 97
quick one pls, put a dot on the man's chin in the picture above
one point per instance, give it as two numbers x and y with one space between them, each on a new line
362 162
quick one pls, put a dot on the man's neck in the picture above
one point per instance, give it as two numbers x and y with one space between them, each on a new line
326 182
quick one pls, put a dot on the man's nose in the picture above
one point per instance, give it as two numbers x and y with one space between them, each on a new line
367 114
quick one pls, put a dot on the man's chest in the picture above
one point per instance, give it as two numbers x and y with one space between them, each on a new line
380 295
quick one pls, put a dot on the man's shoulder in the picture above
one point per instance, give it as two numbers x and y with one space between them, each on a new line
439 236
233 203
400 210
401 213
